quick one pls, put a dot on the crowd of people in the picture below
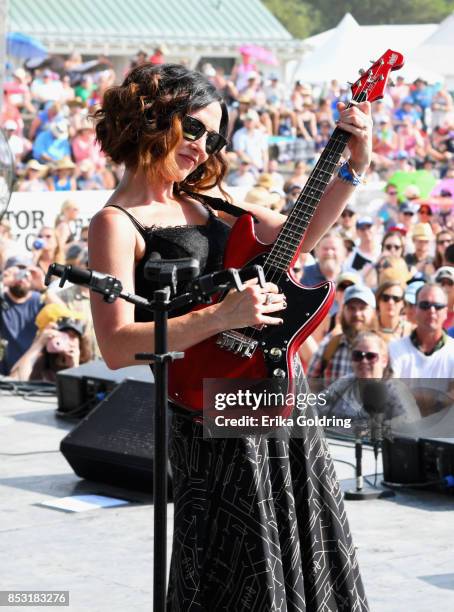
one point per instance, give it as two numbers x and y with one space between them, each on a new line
393 268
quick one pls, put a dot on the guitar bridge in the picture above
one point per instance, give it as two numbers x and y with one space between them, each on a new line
237 343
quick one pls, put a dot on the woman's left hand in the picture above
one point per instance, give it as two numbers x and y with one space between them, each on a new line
357 121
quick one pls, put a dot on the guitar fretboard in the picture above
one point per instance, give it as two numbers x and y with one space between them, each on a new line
288 242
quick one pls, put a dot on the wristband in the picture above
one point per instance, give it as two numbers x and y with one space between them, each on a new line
348 175
360 177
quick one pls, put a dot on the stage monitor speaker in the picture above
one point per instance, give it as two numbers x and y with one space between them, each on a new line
401 460
424 461
114 443
80 389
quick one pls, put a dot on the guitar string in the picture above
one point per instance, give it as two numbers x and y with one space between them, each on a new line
339 146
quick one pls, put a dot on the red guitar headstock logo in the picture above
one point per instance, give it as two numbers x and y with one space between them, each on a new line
371 85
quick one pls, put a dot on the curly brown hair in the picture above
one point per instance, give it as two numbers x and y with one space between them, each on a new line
139 122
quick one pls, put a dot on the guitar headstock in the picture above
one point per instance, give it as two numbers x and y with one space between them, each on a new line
372 82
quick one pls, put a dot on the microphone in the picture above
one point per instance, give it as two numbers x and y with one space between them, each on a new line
374 397
108 285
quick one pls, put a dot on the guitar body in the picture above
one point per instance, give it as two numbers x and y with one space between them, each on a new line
268 353
276 345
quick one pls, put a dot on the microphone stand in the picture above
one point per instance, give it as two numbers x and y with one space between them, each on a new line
168 273
364 492
374 400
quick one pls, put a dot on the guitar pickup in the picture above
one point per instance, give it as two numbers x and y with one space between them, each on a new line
236 342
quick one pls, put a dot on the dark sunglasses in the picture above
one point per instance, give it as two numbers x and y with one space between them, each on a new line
370 356
392 192
387 297
445 241
347 213
424 305
193 129
392 247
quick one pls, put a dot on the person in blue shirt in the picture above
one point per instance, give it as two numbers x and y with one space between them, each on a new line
407 111
422 97
24 296
52 144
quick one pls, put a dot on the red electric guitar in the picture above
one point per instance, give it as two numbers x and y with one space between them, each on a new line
268 352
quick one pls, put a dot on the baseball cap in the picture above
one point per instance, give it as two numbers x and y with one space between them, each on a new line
51 313
252 115
10 125
348 277
65 323
411 291
398 227
402 155
364 222
444 272
359 292
18 260
407 208
292 187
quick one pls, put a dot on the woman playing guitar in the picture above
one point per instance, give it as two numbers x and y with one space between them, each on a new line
259 521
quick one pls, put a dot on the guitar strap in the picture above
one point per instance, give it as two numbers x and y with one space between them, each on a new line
220 204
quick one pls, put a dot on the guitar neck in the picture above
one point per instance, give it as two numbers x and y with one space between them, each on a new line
292 233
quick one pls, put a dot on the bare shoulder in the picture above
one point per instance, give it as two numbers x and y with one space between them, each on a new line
112 219
110 234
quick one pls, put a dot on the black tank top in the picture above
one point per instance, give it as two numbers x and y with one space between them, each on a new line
205 243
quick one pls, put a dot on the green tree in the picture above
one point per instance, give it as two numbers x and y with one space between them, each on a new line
300 18
374 12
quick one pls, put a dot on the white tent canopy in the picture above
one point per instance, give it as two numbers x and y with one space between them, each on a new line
341 52
438 49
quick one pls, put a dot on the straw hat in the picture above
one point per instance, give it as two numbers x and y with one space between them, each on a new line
86 165
33 164
261 196
395 269
64 164
422 231
265 180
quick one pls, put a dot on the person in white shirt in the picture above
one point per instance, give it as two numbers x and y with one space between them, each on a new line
250 143
428 352
366 252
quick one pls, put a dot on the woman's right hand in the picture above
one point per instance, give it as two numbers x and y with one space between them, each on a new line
251 306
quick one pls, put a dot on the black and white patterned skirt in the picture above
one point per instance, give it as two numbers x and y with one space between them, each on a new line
260 525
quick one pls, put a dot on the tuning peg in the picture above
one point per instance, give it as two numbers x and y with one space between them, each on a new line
391 83
349 83
361 71
372 61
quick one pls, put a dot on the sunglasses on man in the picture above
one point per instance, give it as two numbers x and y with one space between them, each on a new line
193 129
425 305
